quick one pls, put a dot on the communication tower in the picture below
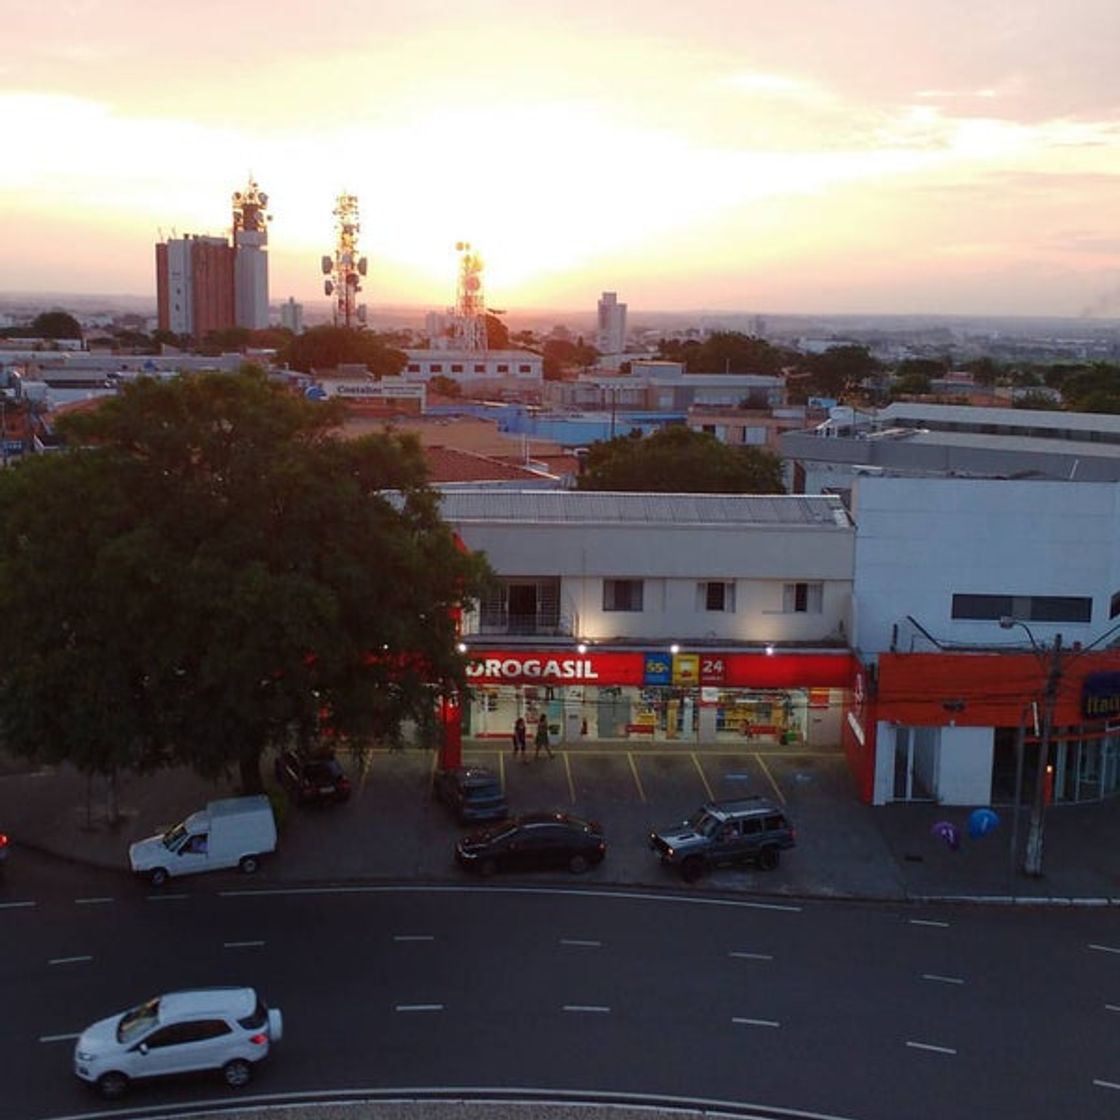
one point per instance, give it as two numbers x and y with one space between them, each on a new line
469 330
250 242
345 269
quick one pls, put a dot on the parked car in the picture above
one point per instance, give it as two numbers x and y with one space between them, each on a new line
227 1029
314 779
3 849
535 841
748 830
230 832
472 792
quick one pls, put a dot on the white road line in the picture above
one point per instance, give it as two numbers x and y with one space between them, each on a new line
1105 948
930 1046
927 922
242 944
413 937
757 1022
751 956
591 1007
1112 1007
1106 1084
92 901
58 1037
419 1007
942 979
161 897
14 905
582 944
68 960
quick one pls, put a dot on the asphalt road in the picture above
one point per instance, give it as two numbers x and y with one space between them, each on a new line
867 1011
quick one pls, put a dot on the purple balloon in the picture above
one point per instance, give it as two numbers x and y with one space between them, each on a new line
947 831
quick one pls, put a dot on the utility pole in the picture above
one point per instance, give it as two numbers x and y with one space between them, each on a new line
1032 863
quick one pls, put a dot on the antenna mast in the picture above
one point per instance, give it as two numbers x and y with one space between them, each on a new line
470 304
345 269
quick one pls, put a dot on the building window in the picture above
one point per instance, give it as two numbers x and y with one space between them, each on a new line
715 595
1024 608
503 368
413 367
522 606
456 368
1114 605
802 598
436 367
622 594
524 369
479 367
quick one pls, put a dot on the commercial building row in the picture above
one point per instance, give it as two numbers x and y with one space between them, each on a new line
796 620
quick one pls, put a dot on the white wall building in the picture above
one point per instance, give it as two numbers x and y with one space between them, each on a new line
250 278
291 315
474 367
610 335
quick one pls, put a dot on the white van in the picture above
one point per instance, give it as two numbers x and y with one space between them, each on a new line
233 832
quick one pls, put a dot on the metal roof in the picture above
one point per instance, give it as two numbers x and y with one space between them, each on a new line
611 508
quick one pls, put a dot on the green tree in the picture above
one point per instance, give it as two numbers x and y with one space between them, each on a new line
912 383
497 333
209 570
561 355
327 347
725 352
448 386
841 370
985 370
679 460
56 324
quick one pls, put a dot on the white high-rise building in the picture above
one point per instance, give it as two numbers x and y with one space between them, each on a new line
291 315
250 266
611 335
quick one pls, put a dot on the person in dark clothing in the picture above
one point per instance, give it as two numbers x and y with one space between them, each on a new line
520 740
542 736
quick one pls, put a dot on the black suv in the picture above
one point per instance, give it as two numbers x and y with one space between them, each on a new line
472 792
312 779
748 830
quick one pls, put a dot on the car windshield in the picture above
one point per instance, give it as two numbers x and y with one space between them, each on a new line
173 837
484 791
703 822
327 771
138 1021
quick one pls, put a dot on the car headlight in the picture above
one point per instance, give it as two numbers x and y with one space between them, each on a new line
85 1056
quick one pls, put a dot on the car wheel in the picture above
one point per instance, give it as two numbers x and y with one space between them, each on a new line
112 1085
237 1073
487 867
249 864
577 864
157 876
769 858
692 869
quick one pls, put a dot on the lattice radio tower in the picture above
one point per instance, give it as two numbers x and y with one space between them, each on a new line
469 330
346 268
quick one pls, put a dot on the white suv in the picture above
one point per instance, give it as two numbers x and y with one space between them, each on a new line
206 1028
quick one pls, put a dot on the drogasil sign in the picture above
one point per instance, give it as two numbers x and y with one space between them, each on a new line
553 669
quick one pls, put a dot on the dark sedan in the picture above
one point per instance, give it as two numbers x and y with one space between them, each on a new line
472 793
536 841
312 779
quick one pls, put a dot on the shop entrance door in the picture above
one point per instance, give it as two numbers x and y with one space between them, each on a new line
613 714
915 763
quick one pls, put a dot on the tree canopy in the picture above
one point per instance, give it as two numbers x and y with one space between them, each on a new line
327 347
726 352
678 460
560 354
208 570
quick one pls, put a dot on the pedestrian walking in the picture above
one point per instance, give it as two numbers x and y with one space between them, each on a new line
542 736
520 739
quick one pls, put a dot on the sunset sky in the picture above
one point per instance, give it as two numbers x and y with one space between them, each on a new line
948 156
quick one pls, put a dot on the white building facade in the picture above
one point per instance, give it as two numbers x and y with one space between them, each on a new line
610 335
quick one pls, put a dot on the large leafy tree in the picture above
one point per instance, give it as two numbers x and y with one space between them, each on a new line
677 460
209 571
726 352
326 347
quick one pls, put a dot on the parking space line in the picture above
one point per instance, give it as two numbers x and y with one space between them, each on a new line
770 778
637 779
751 956
703 777
432 772
69 960
929 1046
568 771
502 768
419 1007
593 1008
756 1022
58 1037
942 979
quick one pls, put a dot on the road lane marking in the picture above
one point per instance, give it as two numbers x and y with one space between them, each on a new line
419 1007
928 922
770 778
942 979
593 1008
637 779
92 901
751 956
585 944
413 937
1104 948
1112 1007
161 897
703 777
931 1047
242 944
1105 1084
14 905
68 960
757 1022
58 1037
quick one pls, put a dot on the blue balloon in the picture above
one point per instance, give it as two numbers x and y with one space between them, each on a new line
981 822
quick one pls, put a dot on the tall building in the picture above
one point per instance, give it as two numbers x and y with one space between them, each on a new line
195 285
611 335
291 316
250 240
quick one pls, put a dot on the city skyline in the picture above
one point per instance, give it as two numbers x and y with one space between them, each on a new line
810 157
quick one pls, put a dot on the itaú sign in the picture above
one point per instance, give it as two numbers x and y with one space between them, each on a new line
555 667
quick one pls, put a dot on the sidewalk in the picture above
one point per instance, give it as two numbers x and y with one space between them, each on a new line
391 831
